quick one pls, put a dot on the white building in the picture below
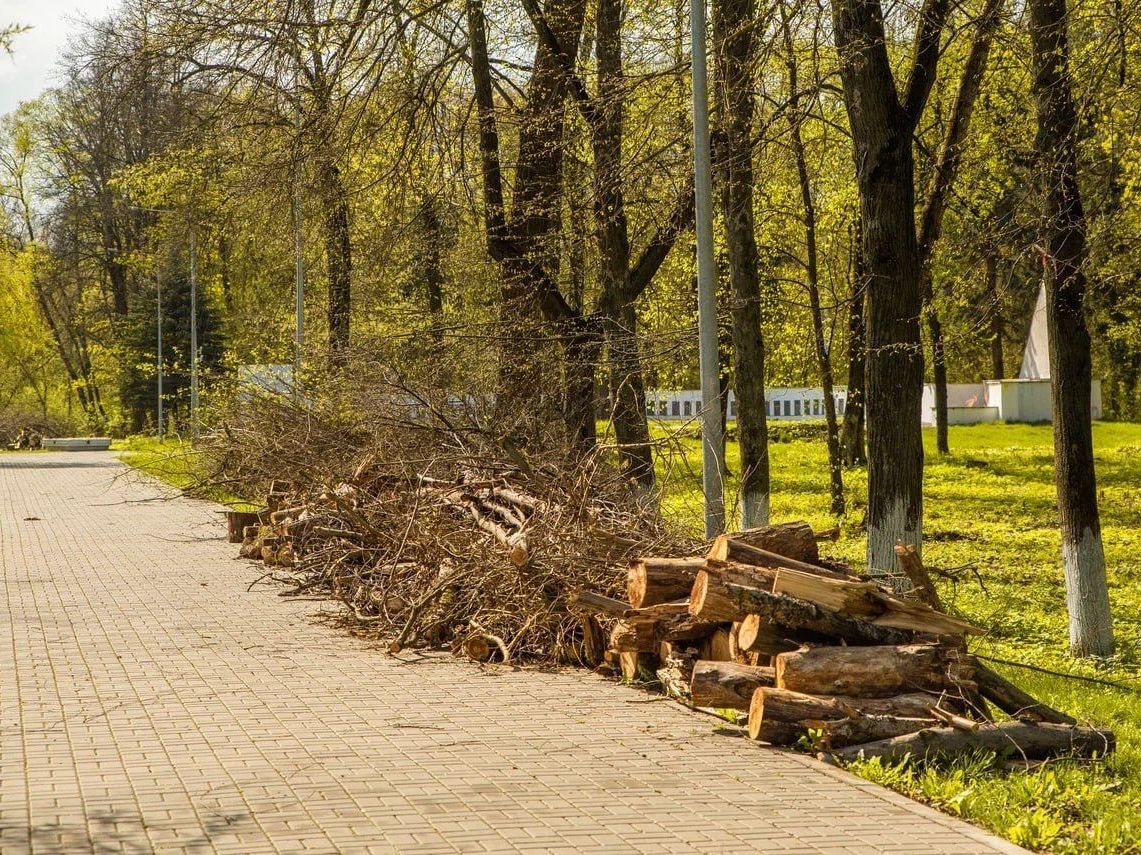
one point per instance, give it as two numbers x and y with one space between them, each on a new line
1024 399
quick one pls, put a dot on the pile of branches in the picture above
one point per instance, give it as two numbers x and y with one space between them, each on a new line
432 531
762 624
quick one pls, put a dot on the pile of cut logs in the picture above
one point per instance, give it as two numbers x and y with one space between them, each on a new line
821 658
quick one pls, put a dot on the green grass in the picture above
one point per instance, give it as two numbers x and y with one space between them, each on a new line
990 504
176 462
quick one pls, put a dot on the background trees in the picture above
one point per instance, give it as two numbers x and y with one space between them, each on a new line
498 194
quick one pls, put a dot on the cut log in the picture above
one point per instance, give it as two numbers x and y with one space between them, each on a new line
727 549
237 522
591 601
874 672
684 628
784 705
1010 738
861 728
912 566
1013 701
718 647
593 641
660 580
794 540
709 600
478 648
795 614
633 638
756 636
868 601
727 685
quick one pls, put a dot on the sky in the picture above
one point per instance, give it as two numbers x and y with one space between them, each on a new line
32 66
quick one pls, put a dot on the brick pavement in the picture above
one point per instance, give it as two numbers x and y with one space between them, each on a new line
150 702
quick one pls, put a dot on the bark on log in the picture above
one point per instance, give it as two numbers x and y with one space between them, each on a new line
794 614
756 636
1013 701
727 685
709 599
1014 738
727 549
633 637
862 729
912 566
873 671
868 601
660 580
794 540
237 522
788 706
684 628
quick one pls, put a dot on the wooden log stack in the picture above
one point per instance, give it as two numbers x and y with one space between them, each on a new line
816 656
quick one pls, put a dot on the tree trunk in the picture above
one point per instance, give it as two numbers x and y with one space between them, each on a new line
627 388
650 581
794 540
1062 235
882 125
754 635
1024 741
785 705
791 614
727 685
339 258
726 549
872 671
734 53
823 359
1013 701
994 304
939 370
852 436
942 179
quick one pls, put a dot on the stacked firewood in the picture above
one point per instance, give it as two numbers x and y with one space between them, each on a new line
815 656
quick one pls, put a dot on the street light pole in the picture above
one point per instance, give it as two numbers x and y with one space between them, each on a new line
158 322
193 334
712 430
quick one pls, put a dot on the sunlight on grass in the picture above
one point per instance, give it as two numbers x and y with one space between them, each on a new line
176 462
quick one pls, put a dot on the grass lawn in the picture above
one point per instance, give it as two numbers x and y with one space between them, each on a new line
990 504
177 463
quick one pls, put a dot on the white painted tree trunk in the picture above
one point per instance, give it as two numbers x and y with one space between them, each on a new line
1087 594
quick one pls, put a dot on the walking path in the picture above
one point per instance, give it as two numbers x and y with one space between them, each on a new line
150 702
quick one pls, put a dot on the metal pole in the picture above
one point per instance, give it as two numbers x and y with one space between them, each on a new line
298 245
193 334
298 278
158 320
712 428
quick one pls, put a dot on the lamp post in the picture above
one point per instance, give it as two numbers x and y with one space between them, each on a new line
712 426
158 359
193 334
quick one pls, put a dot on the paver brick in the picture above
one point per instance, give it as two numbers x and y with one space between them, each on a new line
150 702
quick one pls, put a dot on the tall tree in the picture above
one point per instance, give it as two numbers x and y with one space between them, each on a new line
943 175
796 117
883 121
735 44
1062 231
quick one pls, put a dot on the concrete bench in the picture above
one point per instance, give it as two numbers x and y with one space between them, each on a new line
78 443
